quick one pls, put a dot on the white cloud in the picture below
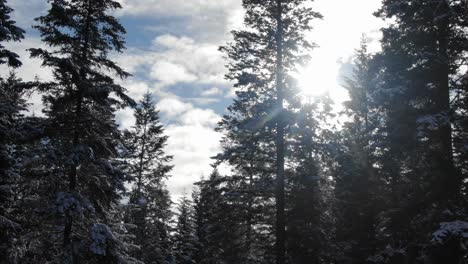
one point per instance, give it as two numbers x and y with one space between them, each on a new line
169 73
203 100
136 89
207 20
25 11
202 61
192 146
200 117
172 107
212 91
192 142
125 118
169 41
31 67
173 60
176 7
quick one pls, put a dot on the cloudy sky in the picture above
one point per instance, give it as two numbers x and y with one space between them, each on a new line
172 51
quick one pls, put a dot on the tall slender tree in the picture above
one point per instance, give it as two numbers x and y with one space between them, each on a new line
11 104
220 224
308 187
149 207
184 238
422 54
80 109
429 36
358 188
260 61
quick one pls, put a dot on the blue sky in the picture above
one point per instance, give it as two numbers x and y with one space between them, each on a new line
172 51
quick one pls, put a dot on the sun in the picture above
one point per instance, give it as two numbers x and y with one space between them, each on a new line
317 78
321 77
313 83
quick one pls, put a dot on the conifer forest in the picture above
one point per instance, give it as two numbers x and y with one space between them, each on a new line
110 110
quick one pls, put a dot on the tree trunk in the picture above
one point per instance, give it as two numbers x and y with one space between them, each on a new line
280 146
448 181
72 178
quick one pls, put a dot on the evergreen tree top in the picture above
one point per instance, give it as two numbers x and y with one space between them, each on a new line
81 34
8 32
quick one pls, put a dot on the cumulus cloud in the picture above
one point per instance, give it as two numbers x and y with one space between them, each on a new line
212 91
208 20
173 107
172 60
192 141
192 147
169 73
136 89
125 118
200 118
25 11
175 7
31 67
177 62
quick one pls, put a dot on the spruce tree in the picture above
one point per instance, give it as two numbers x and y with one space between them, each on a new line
308 187
359 184
11 104
11 132
260 61
80 110
418 67
218 229
428 35
184 238
10 32
149 206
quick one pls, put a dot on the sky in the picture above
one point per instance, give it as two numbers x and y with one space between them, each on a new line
172 51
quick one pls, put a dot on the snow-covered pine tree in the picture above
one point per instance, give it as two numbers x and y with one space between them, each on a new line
10 32
422 55
359 187
309 193
148 166
422 50
11 103
184 238
260 60
80 103
219 233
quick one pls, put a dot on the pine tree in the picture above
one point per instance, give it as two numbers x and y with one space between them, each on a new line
81 123
260 61
218 229
184 238
11 104
10 32
309 187
417 69
434 30
357 180
149 200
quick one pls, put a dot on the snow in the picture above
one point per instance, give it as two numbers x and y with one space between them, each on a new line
101 235
389 251
455 228
77 204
